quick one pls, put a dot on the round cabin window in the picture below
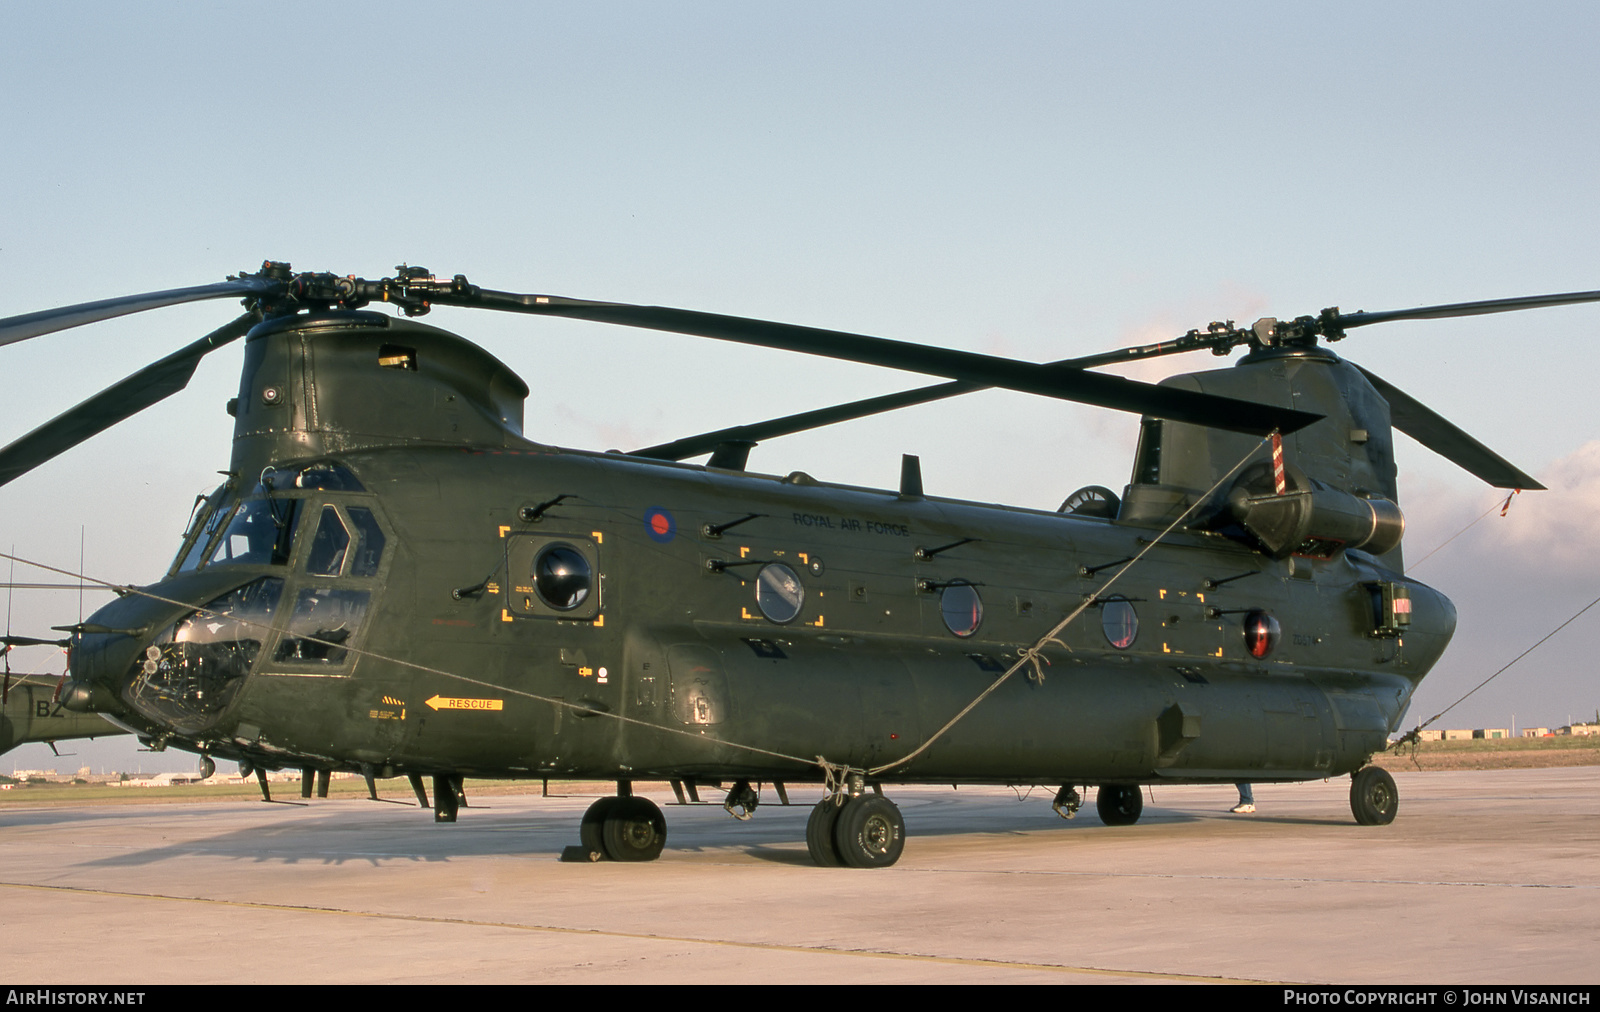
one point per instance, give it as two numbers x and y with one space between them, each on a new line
779 594
1119 622
562 577
1261 633
961 609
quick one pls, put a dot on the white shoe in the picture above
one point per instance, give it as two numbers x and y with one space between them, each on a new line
1243 808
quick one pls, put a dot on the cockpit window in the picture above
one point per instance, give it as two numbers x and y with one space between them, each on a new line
323 624
191 670
260 533
328 545
353 547
204 527
369 546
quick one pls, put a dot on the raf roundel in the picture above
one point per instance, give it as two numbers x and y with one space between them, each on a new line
658 523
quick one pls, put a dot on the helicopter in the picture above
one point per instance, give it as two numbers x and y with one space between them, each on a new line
31 712
394 580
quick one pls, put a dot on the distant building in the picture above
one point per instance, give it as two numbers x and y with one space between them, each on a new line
1536 732
1492 732
1458 734
1580 729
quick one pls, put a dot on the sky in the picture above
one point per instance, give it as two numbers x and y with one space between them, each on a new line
1032 180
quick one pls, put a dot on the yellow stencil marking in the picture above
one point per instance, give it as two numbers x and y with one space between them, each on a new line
443 703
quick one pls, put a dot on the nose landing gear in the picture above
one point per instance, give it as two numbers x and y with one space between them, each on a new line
623 828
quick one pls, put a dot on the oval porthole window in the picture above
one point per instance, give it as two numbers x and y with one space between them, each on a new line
779 594
562 577
1119 622
961 608
1261 633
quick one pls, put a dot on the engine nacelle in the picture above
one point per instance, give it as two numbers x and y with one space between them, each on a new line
1316 522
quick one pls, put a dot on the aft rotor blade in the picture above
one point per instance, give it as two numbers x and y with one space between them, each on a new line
1445 438
20 328
123 399
1064 382
1347 320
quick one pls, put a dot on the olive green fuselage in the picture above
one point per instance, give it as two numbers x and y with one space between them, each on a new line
451 657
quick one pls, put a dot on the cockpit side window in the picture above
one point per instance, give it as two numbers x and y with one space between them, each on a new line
369 547
328 545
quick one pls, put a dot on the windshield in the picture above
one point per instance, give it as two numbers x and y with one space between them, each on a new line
198 536
259 533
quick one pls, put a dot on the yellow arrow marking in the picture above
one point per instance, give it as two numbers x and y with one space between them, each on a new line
441 703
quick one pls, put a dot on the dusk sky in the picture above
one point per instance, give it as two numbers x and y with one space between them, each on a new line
1031 180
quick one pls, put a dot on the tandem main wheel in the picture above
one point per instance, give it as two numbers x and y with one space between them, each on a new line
866 831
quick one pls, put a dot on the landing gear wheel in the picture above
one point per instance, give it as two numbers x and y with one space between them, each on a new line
634 830
591 831
819 834
1373 796
1119 804
870 832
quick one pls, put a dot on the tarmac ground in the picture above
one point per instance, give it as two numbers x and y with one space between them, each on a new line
1485 877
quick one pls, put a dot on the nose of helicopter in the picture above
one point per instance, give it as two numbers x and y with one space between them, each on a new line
173 663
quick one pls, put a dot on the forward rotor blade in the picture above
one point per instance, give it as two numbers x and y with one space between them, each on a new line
1064 382
20 328
31 641
1445 438
1347 320
123 399
694 446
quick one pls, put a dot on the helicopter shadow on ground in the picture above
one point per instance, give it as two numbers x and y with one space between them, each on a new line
1025 820
398 833
19 817
954 817
346 835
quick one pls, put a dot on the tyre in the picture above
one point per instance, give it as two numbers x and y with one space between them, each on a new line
591 831
870 832
634 830
1373 796
1119 804
819 834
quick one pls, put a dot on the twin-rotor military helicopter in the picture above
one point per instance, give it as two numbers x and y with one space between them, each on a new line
394 580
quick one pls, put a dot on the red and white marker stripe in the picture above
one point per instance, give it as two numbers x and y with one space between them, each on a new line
1279 481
